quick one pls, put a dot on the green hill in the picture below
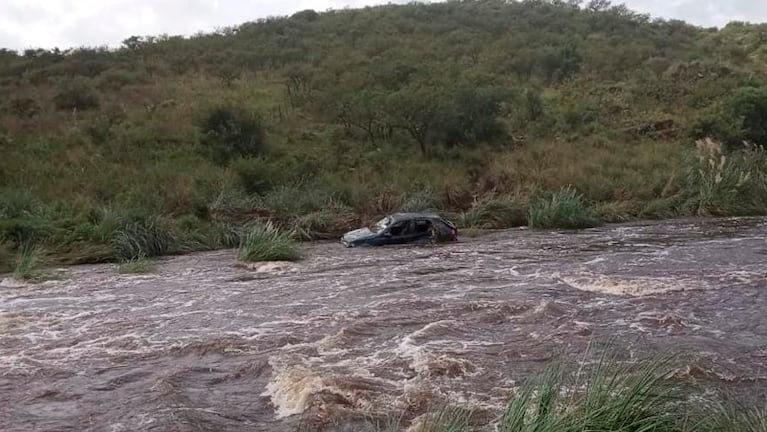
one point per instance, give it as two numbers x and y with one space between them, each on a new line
493 111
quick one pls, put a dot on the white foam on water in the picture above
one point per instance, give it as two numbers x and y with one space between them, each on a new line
290 389
408 349
425 362
19 362
746 277
12 282
274 267
635 286
639 327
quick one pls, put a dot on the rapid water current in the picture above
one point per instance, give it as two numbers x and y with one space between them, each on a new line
201 344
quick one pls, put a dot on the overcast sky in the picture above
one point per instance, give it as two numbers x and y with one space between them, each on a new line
71 23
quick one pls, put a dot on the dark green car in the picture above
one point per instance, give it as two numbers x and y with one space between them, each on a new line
401 228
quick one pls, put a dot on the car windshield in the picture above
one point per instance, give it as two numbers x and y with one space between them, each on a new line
381 225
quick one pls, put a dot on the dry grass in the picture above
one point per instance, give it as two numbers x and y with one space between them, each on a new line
719 183
602 169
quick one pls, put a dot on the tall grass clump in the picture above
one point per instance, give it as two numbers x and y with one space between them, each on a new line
660 208
230 201
137 265
604 397
16 203
446 419
23 219
28 263
719 183
107 221
421 201
266 242
493 213
5 258
613 212
225 235
291 200
443 418
329 223
563 209
732 416
601 396
152 236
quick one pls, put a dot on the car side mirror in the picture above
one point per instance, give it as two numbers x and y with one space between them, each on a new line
387 233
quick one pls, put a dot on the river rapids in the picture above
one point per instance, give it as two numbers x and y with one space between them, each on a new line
201 344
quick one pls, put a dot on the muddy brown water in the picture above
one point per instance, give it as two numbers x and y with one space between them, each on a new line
202 345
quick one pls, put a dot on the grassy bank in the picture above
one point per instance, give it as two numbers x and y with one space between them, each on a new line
604 396
497 114
706 182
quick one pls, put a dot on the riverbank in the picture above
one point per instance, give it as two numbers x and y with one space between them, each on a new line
34 233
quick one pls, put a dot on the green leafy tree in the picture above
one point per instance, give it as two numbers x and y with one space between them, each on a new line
364 111
418 109
749 107
76 95
475 116
228 132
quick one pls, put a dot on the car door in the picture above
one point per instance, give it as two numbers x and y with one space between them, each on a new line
396 233
415 230
421 230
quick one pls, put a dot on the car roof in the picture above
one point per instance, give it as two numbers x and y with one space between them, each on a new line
405 216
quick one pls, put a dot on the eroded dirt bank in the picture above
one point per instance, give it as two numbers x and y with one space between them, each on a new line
203 345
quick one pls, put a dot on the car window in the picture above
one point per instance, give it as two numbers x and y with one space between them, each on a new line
398 228
381 225
422 226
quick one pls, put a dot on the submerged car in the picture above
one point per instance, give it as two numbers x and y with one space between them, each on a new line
402 228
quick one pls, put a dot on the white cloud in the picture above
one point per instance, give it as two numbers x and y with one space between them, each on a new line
707 13
68 23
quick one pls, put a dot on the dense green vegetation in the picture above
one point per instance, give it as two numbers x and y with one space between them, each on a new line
563 209
266 242
321 121
604 396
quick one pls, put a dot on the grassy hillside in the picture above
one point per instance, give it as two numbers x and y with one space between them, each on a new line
490 111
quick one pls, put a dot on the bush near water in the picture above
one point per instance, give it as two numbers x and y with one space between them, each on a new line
496 113
266 242
606 395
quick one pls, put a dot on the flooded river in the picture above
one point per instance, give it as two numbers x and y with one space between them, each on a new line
202 345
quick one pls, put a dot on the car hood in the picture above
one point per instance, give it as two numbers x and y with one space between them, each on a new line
358 234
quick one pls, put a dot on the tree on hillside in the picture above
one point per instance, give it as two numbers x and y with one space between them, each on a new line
365 110
229 132
417 109
749 107
598 5
475 116
449 113
76 95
